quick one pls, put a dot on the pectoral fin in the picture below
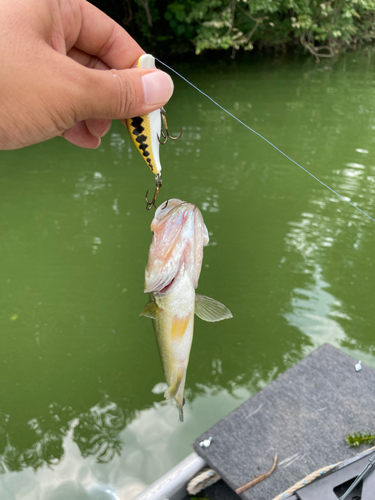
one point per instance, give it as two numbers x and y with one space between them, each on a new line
210 309
151 310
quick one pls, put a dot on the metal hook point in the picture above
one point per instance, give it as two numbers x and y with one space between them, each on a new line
158 184
166 134
175 138
165 138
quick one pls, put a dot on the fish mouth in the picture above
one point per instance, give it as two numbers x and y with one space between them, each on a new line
166 288
173 280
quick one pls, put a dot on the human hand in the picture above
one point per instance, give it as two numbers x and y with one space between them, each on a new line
68 69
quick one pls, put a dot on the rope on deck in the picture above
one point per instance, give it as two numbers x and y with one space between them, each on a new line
203 480
311 477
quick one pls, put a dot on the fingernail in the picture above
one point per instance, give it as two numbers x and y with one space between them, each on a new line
157 87
107 129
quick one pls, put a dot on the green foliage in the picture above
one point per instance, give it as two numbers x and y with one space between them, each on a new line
357 438
322 28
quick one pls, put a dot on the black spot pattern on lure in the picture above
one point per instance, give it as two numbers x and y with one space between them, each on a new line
141 139
143 145
143 142
137 124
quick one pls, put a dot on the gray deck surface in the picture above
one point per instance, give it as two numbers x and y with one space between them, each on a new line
302 416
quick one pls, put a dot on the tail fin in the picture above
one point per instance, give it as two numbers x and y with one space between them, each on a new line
181 411
176 391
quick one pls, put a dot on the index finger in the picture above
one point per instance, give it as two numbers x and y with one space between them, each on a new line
102 37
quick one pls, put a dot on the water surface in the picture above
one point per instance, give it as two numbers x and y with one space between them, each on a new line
81 399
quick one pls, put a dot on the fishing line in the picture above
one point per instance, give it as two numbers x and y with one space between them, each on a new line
344 198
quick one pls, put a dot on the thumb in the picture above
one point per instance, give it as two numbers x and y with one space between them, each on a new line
119 94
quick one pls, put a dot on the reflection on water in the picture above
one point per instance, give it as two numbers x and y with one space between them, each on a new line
212 203
320 237
104 424
313 311
82 410
96 432
88 184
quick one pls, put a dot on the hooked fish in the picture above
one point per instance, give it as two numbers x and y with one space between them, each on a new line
172 274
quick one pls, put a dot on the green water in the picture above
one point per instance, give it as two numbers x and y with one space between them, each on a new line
81 399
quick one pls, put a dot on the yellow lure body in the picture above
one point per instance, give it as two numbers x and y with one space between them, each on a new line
145 130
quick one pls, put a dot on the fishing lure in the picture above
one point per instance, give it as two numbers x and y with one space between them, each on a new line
145 132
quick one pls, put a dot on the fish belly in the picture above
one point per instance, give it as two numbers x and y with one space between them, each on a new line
174 331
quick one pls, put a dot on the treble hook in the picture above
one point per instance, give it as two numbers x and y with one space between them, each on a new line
166 134
163 135
158 183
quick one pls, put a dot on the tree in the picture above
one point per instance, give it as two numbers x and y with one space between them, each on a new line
178 26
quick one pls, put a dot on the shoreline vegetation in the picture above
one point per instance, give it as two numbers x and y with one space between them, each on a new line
175 27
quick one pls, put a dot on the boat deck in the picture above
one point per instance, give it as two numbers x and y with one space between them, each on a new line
302 416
